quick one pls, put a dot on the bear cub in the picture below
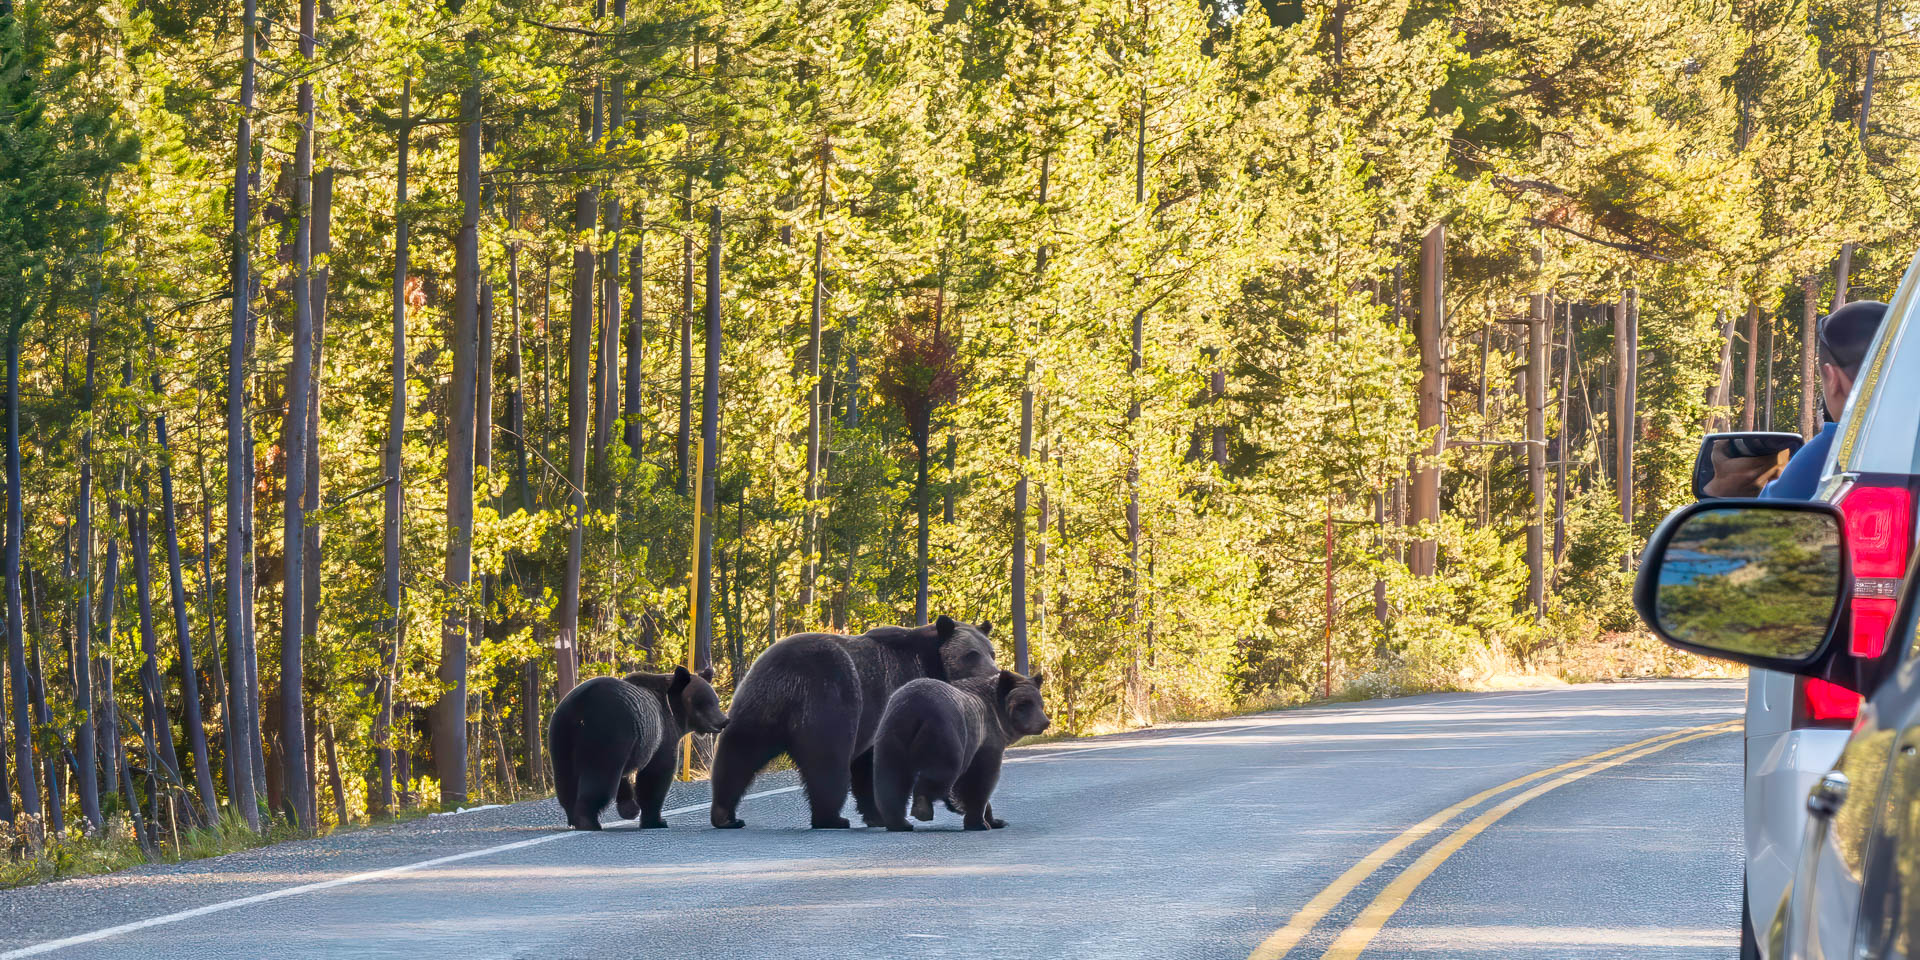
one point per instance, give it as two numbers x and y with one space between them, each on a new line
609 727
938 738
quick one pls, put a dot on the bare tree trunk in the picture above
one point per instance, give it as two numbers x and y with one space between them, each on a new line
237 452
230 740
316 293
381 800
816 393
1426 477
683 440
921 441
109 599
1809 373
1021 644
1750 396
1626 349
1766 408
294 443
636 333
1719 399
1562 449
483 435
1539 330
449 716
517 369
709 449
1136 682
579 346
333 777
182 626
16 627
1843 267
83 741
151 681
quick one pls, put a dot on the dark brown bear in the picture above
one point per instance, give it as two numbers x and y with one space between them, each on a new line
817 697
939 737
607 728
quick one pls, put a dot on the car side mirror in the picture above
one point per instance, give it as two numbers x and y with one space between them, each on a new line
1759 582
1749 459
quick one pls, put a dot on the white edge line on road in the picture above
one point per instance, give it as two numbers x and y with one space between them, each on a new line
96 935
78 939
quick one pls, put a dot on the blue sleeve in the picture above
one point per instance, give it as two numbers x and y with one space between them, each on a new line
1802 475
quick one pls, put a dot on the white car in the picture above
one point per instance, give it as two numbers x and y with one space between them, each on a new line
1797 726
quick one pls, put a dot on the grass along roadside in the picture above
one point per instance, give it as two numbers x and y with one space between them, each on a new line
75 853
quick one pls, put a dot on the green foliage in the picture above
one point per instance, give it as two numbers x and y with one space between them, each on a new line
1248 183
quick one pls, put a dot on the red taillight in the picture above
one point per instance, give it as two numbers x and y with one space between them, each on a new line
1827 704
1879 528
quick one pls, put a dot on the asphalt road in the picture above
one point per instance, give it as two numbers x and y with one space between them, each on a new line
1385 829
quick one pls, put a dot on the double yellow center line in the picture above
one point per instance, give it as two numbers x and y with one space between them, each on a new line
1375 915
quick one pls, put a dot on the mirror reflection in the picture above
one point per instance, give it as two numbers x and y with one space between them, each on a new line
1749 580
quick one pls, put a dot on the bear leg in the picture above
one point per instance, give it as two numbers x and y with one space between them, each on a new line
825 772
737 759
651 783
926 790
974 789
993 821
560 751
861 777
624 800
892 771
595 792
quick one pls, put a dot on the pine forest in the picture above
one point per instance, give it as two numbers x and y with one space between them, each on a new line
377 370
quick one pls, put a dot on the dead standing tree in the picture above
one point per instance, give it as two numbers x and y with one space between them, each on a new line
920 373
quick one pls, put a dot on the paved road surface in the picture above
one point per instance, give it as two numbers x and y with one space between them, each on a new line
1384 829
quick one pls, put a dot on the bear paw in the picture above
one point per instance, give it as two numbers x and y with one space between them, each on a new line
922 809
586 823
901 827
734 824
971 825
873 820
834 823
628 809
652 823
997 823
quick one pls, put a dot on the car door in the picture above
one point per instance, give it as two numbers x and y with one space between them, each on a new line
1886 772
1825 915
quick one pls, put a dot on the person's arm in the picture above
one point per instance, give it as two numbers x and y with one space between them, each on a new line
1738 476
1802 475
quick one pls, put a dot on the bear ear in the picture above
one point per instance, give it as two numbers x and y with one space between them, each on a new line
1037 679
680 680
1007 681
944 627
986 628
707 674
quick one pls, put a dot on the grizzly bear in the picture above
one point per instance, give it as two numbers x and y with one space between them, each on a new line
939 737
817 697
607 728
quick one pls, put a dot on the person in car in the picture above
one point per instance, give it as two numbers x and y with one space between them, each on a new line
1843 338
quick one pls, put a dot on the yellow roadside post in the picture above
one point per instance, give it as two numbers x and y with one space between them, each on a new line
693 590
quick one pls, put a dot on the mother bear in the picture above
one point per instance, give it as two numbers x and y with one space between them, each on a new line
817 697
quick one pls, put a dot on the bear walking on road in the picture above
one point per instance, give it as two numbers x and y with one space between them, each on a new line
937 738
817 697
609 727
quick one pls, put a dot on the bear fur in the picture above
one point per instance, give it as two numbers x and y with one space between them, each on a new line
817 697
937 738
607 728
